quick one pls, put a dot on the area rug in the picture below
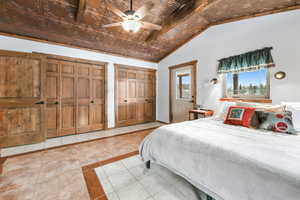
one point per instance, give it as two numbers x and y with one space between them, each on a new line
126 178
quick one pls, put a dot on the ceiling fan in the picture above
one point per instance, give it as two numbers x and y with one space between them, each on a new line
132 19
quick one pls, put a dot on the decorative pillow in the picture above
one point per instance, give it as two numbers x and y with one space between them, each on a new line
238 115
276 121
294 107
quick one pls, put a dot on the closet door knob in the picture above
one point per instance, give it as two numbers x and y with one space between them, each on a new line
56 102
125 101
92 101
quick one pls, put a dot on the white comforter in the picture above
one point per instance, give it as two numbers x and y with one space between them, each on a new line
228 162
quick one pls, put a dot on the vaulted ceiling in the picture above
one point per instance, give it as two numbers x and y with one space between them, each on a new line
79 22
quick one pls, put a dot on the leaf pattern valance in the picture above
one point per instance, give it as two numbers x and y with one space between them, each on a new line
250 61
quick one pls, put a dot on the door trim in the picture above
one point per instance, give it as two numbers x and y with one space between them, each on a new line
192 63
116 67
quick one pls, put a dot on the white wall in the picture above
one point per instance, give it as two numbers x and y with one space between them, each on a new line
14 44
280 31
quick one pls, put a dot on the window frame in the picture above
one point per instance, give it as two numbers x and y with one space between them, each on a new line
179 97
267 96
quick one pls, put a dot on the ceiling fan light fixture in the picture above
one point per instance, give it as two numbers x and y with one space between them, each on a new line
131 25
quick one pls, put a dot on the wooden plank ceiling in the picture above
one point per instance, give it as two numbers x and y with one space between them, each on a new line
78 22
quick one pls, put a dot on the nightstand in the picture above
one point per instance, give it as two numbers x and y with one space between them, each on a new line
203 112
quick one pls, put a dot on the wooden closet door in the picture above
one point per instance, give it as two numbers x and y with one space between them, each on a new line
98 98
141 96
52 95
68 98
121 94
21 99
150 89
131 97
84 97
135 95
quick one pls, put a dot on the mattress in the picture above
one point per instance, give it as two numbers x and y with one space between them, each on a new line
228 162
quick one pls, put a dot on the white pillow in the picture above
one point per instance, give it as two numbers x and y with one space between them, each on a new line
294 107
290 104
264 106
223 109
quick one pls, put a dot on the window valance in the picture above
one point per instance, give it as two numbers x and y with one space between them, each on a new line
254 60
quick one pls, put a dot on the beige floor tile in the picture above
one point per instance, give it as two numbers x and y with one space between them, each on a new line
114 168
121 180
56 173
133 191
17 192
62 186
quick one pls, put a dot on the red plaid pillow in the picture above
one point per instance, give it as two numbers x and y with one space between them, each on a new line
238 115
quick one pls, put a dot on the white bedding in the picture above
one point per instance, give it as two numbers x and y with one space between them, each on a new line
228 162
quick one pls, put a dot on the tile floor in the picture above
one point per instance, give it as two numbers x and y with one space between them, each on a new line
128 179
56 174
59 141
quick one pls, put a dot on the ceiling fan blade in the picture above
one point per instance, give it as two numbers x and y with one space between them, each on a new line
112 25
148 25
142 11
116 11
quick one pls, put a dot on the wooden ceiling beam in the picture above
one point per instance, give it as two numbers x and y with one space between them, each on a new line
81 9
199 6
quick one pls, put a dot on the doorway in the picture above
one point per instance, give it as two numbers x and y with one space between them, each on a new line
182 90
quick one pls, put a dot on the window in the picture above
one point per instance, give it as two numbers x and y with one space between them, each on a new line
184 86
254 84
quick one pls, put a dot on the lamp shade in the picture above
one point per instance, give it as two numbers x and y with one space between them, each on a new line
131 25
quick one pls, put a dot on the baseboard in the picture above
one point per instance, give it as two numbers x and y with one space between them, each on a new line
162 122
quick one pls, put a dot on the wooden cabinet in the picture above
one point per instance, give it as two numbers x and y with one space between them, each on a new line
135 95
75 97
21 99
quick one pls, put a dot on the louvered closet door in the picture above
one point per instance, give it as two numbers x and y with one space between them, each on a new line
98 98
84 97
68 98
21 98
52 94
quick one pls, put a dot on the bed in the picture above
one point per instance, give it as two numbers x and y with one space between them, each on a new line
228 162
